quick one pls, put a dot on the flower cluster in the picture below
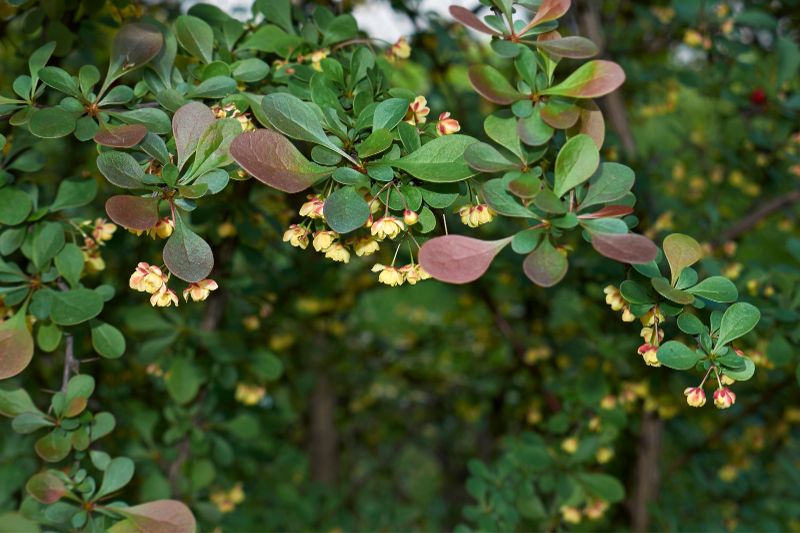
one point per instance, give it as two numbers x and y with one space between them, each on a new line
594 510
249 394
163 229
226 501
153 280
396 276
101 231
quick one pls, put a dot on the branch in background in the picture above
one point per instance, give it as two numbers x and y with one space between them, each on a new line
757 214
613 104
648 472
71 365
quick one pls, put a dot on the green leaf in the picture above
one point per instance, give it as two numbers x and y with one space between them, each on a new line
195 36
183 380
249 70
573 47
439 161
271 39
690 324
738 320
74 193
121 169
389 113
52 122
107 340
214 87
69 263
678 356
492 85
15 206
602 486
53 447
681 251
534 131
28 422
60 80
39 59
494 192
213 147
503 131
134 45
545 266
345 210
590 80
717 289
187 255
14 402
663 287
611 182
75 306
48 337
635 293
744 373
296 119
118 473
575 163
48 239
377 142
79 389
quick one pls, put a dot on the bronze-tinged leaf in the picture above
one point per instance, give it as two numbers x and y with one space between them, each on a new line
16 345
160 516
469 19
572 47
591 122
124 136
548 10
492 85
46 487
545 266
558 113
273 160
459 259
609 211
188 125
592 79
681 251
625 247
134 45
133 212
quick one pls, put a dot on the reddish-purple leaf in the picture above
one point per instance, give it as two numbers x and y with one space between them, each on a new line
572 47
492 85
545 266
16 345
123 136
160 516
559 114
459 259
625 247
272 159
469 19
46 488
591 122
134 45
610 211
548 10
133 212
592 79
188 125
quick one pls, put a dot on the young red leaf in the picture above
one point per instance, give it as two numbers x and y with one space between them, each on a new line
558 113
188 125
592 79
134 45
609 211
545 266
46 488
133 212
123 136
625 247
16 345
156 517
469 19
459 259
548 10
272 159
492 85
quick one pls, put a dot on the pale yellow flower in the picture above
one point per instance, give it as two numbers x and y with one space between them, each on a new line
200 290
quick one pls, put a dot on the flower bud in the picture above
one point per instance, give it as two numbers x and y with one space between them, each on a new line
410 217
695 396
724 398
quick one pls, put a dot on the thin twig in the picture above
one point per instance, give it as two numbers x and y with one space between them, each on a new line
757 214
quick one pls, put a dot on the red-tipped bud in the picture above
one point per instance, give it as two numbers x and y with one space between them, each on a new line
724 398
695 396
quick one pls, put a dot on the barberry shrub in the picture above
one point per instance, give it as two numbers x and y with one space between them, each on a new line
189 109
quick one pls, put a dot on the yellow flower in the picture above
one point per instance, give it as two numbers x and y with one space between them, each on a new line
650 354
200 290
296 236
337 252
724 398
389 275
103 230
570 445
476 215
695 396
93 260
447 125
317 57
365 246
147 278
604 455
570 515
313 207
692 38
387 227
226 229
595 509
324 239
614 298
400 49
249 394
164 298
418 111
414 273
163 228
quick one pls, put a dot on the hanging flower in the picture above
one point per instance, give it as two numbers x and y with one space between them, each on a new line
324 239
296 236
447 125
313 207
418 111
164 298
724 398
200 290
103 230
695 396
650 354
400 49
364 246
147 278
337 252
387 227
389 275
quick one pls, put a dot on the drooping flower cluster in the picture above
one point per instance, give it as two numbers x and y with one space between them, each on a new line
153 280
